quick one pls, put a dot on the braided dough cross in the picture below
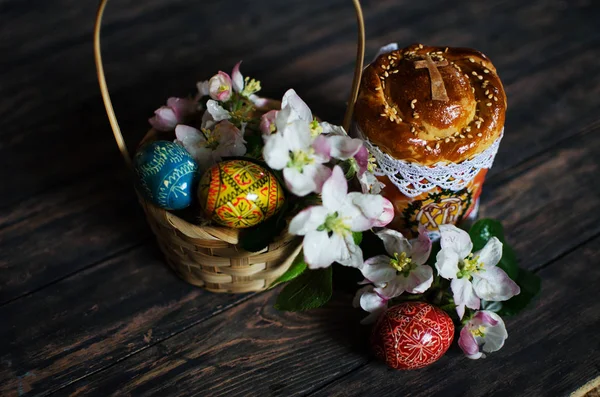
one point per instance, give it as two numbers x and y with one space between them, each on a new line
438 90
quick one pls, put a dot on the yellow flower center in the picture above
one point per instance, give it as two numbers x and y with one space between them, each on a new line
480 331
470 265
223 88
315 128
251 86
401 262
301 158
335 224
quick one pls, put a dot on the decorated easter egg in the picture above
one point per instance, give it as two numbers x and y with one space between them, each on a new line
239 193
412 335
165 174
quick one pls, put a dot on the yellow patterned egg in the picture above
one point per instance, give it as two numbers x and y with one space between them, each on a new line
239 193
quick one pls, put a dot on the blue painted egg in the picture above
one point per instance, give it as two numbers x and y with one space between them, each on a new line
166 174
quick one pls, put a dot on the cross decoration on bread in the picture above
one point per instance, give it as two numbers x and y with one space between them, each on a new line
438 90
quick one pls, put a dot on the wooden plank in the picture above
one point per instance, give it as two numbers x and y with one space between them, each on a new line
95 318
253 347
311 48
551 351
52 235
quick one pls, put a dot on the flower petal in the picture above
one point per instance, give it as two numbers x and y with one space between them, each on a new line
203 88
394 242
297 136
276 152
308 220
446 263
377 269
350 254
421 248
344 147
374 211
299 107
217 111
491 253
237 79
468 344
463 293
335 190
455 239
164 119
495 335
300 183
319 250
322 148
183 107
493 284
332 129
267 122
374 304
362 159
419 279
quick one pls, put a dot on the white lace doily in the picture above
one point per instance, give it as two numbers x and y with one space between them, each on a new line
414 179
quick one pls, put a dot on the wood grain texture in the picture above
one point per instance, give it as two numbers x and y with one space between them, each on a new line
97 317
206 350
51 235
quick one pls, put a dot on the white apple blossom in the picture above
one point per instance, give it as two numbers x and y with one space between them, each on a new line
474 276
402 270
485 332
295 143
327 228
208 147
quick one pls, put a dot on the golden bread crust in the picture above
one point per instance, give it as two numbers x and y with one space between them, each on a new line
396 111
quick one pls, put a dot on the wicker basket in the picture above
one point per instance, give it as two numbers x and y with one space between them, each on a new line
209 256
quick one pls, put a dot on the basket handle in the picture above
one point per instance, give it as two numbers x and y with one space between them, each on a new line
112 118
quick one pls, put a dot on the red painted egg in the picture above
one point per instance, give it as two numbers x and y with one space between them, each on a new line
412 335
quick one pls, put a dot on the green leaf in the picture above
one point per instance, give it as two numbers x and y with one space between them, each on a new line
310 290
530 285
357 236
298 267
485 229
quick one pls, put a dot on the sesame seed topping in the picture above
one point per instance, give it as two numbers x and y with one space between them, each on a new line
474 73
420 46
386 74
470 136
395 71
468 129
437 145
462 136
485 71
480 77
447 140
377 88
473 90
487 92
496 98
446 50
471 60
480 134
383 115
490 96
488 104
412 103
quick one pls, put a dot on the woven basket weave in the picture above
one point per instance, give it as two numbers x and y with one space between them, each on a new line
209 256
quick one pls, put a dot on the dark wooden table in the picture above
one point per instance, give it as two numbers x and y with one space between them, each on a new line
87 306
